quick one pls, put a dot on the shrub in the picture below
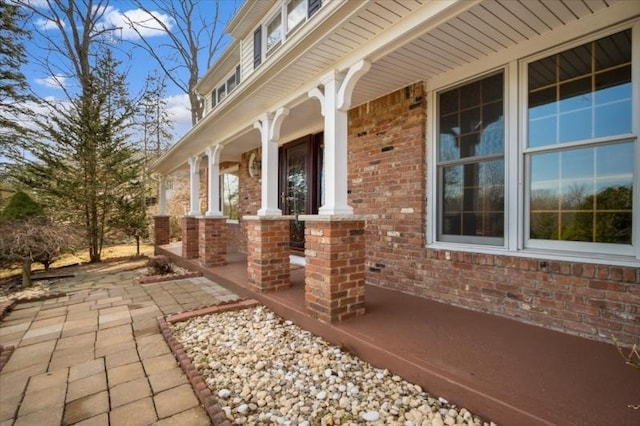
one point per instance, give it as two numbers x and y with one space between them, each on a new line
160 265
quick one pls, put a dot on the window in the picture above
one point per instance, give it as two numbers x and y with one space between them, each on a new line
222 92
291 14
296 14
542 155
274 32
579 154
219 93
471 162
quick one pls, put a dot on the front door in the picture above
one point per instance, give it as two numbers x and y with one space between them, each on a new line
300 182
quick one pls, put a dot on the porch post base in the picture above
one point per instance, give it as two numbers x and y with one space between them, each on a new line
212 241
335 267
189 237
268 264
161 230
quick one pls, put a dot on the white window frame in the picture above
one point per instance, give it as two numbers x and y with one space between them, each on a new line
514 63
224 84
526 152
285 32
267 51
469 239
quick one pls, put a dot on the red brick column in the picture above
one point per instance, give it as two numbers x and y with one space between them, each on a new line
335 267
161 230
212 241
189 237
268 252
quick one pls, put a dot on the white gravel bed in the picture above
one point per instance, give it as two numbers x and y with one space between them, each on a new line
268 371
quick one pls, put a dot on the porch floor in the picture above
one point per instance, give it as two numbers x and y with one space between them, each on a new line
507 371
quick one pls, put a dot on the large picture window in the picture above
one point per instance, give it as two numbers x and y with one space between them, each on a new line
579 150
542 156
471 162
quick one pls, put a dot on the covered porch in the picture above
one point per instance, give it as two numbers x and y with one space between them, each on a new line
512 373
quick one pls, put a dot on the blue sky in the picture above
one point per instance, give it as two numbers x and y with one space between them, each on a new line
49 83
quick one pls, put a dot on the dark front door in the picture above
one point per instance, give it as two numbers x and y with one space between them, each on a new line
300 182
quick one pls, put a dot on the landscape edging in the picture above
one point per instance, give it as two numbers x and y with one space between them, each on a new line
208 401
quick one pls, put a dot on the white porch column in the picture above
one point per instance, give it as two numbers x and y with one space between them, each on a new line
213 187
162 196
269 126
335 102
194 186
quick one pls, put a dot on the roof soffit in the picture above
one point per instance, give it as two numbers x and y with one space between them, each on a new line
248 16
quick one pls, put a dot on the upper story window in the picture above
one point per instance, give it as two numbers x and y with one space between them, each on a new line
275 30
543 155
296 14
229 83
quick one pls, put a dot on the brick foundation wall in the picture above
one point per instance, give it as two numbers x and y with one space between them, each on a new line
387 177
250 197
161 230
268 254
335 269
189 237
212 241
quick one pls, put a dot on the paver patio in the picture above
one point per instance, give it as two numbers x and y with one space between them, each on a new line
96 357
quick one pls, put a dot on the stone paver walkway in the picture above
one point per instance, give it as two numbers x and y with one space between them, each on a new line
96 356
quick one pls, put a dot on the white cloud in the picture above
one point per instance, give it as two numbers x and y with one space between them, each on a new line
136 19
53 81
179 110
47 24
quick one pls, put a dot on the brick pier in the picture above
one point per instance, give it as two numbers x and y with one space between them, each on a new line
190 237
335 266
161 230
212 241
268 252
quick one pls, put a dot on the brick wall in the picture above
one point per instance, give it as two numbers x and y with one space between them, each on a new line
250 197
387 176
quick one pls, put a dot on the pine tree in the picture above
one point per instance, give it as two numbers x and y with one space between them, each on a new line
14 95
86 162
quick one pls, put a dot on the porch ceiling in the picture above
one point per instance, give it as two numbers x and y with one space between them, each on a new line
406 41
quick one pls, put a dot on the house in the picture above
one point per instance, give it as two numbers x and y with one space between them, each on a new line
483 154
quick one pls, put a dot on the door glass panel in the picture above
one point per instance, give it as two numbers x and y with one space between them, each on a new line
295 193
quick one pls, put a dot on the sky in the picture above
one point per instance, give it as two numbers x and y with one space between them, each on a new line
136 61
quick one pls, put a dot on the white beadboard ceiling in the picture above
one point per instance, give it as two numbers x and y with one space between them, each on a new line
482 30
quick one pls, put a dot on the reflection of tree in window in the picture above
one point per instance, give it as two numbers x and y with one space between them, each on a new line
471 159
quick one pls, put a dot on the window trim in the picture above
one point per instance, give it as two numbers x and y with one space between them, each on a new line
515 149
